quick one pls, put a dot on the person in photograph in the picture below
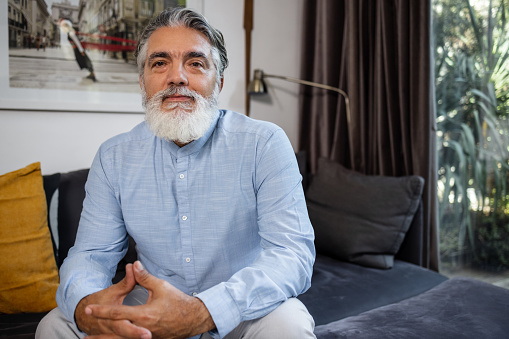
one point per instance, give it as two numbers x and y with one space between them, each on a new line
44 41
81 56
38 41
213 200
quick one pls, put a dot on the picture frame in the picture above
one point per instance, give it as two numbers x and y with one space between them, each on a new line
27 85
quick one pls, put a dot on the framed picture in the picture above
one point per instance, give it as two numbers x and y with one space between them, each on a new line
74 55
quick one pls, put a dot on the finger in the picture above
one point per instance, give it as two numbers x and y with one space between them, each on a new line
116 325
127 329
112 312
112 336
104 336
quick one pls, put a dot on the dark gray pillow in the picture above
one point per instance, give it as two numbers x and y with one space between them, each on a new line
361 218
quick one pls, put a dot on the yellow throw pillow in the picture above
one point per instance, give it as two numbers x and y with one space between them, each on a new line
29 275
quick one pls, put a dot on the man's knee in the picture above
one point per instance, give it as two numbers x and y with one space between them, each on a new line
46 324
56 325
290 320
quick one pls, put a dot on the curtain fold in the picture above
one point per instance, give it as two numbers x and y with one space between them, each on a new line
379 52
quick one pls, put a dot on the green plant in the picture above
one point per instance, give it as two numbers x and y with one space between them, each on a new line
472 86
493 245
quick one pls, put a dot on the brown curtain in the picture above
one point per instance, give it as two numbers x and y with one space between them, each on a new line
379 52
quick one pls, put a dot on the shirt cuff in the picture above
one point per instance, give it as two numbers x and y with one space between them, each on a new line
222 308
69 303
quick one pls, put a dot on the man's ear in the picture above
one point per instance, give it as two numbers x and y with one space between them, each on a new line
139 81
222 83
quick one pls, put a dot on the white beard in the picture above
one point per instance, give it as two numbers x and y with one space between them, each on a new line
181 122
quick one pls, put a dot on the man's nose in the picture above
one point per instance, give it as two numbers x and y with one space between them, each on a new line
177 76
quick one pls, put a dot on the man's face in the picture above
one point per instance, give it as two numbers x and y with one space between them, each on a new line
179 57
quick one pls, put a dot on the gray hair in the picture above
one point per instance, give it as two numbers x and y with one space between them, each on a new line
183 17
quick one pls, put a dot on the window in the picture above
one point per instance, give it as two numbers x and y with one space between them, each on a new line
147 8
174 3
472 92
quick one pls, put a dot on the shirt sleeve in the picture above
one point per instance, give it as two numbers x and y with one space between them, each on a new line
101 242
284 267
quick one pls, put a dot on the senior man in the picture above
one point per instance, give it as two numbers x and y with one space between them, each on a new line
213 200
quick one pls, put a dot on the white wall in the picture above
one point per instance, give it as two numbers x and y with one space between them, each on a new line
275 48
68 141
60 141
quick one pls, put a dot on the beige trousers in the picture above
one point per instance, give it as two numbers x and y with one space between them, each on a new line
290 320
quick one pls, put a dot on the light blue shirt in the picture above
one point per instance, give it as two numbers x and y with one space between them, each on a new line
222 218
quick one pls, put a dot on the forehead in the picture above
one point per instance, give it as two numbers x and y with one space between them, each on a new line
178 39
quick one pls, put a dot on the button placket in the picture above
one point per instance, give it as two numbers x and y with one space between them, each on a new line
185 220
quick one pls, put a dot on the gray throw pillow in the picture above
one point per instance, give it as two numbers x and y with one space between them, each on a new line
361 218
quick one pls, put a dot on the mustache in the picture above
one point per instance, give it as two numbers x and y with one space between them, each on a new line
176 90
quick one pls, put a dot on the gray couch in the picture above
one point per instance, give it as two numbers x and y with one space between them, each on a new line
367 281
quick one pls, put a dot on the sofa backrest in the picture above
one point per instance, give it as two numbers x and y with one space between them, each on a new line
71 193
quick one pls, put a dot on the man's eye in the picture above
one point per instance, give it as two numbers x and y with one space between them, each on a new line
158 64
196 64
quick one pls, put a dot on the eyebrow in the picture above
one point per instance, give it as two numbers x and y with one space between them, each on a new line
156 55
194 54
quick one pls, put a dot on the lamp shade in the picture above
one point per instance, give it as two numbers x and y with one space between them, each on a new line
257 85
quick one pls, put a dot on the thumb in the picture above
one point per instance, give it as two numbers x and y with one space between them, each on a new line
127 284
142 276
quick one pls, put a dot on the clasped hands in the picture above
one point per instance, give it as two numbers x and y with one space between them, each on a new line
168 313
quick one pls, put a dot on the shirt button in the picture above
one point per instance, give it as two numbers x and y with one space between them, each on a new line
195 294
181 176
184 218
188 259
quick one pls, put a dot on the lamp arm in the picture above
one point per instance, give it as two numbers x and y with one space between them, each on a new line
315 84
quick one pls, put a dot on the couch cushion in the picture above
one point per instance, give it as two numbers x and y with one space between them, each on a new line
360 218
29 272
20 325
340 289
457 308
